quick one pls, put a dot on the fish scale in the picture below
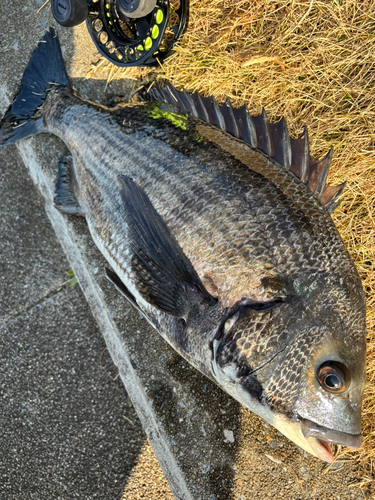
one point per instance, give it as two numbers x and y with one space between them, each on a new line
217 227
183 224
165 181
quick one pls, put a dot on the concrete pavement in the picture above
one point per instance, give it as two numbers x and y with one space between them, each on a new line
66 429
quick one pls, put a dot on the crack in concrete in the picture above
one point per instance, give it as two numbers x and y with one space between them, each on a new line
12 316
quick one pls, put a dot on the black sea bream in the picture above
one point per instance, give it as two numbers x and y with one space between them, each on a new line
217 227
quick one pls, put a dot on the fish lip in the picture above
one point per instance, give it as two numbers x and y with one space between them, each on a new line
322 449
311 429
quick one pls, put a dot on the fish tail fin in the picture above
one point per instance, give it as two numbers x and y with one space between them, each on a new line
45 70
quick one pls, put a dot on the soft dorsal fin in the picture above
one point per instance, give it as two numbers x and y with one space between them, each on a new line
272 139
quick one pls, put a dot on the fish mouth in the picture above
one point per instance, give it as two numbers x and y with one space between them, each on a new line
319 438
312 437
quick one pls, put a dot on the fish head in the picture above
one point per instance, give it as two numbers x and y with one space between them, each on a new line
315 391
300 363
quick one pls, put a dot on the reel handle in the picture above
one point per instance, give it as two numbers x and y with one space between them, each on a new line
135 8
69 13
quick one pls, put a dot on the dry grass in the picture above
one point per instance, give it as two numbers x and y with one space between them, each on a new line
312 61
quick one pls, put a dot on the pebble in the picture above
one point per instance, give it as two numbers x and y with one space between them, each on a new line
337 465
229 435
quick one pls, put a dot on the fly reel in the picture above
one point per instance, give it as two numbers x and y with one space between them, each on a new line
127 32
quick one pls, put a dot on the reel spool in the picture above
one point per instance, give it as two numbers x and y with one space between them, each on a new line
127 32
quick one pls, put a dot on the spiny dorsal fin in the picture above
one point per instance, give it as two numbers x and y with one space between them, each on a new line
301 156
272 139
282 147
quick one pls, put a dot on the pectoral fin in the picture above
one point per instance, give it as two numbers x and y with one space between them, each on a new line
163 275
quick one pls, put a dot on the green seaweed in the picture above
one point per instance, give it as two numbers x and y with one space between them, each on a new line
179 121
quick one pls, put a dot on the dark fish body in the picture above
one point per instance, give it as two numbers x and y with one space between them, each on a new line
220 234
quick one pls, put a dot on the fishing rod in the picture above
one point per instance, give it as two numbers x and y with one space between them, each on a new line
127 32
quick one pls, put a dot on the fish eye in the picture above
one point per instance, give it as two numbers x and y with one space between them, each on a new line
334 377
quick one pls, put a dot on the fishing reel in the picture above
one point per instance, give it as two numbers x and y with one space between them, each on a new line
127 32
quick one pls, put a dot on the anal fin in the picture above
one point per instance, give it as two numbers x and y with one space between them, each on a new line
65 199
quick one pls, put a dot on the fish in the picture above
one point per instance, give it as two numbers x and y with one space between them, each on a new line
216 226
